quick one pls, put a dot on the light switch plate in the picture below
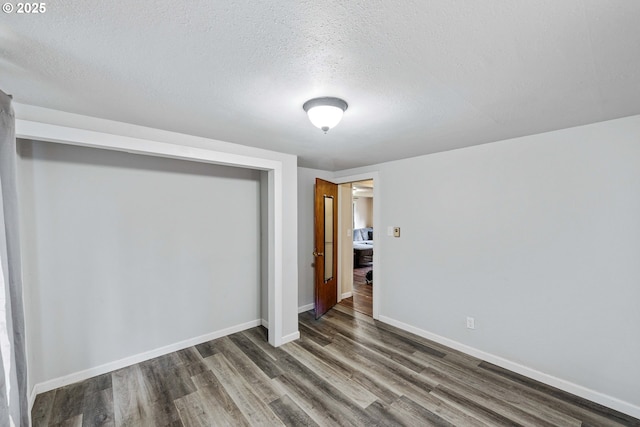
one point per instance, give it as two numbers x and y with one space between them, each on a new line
389 231
396 231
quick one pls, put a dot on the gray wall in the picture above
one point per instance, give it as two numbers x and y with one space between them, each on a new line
538 238
125 254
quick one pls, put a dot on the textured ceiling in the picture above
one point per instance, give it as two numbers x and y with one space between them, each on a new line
419 76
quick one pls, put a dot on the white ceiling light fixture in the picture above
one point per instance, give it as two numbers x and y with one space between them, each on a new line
325 113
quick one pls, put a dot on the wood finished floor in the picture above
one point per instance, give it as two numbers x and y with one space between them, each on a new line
362 295
346 369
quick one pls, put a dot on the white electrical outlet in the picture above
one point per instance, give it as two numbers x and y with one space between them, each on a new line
471 323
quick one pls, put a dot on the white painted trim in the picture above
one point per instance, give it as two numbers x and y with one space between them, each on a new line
32 396
32 400
132 360
275 266
357 177
377 231
52 133
291 337
265 323
61 134
578 390
347 295
304 308
339 268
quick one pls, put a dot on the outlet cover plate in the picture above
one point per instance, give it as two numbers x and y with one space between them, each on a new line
471 323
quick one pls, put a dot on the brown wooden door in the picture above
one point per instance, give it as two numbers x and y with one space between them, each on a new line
326 246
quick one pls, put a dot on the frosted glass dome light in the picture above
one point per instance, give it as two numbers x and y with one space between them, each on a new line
325 113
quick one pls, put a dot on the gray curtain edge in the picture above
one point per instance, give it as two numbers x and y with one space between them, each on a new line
19 405
4 404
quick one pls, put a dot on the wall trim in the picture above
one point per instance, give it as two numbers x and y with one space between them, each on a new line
347 295
307 307
137 358
578 390
377 229
291 337
276 264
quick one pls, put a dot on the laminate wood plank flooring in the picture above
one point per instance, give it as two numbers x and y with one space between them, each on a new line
362 294
345 370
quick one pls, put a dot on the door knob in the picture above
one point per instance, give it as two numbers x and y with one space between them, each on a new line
315 253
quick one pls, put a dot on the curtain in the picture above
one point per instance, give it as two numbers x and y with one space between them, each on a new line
13 373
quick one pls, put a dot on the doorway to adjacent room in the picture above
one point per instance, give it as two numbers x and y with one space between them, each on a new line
356 213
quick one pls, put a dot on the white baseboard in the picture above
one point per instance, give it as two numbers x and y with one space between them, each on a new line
347 295
578 390
132 360
291 337
295 335
304 308
287 338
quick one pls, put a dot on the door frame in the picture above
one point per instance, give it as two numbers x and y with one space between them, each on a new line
277 173
377 233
